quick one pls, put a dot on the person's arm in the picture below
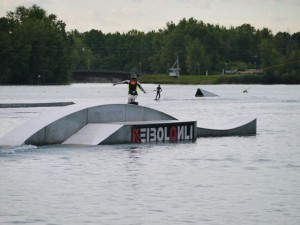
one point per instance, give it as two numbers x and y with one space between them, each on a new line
121 82
140 86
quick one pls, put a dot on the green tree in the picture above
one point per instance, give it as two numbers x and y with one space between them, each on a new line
6 53
196 60
40 46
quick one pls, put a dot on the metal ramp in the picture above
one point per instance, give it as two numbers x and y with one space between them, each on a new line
115 124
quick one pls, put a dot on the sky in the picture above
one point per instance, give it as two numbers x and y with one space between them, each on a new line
112 16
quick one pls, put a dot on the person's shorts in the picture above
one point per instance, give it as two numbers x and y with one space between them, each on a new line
132 97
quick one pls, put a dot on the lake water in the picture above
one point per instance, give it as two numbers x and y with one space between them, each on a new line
217 181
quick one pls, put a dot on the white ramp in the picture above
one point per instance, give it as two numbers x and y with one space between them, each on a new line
113 124
92 134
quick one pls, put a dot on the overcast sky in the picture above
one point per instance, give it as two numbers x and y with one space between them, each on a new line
146 15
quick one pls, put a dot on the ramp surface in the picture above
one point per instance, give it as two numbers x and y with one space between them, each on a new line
92 134
237 126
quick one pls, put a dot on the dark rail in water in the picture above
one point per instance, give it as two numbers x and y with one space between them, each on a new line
43 104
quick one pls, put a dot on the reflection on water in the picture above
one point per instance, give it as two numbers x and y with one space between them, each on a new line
228 180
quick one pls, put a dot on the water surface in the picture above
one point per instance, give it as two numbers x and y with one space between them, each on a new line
227 180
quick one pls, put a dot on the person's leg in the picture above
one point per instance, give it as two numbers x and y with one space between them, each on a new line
157 96
131 98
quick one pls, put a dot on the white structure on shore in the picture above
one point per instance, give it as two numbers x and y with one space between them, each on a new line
174 71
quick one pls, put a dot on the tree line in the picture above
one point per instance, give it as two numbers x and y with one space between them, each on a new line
35 47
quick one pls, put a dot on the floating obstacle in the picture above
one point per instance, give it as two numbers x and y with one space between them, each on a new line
113 124
202 93
42 104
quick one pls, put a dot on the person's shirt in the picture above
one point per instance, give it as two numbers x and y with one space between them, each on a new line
133 86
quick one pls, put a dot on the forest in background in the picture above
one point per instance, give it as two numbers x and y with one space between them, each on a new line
36 48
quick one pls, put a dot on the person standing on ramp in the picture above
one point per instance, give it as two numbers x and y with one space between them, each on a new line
133 86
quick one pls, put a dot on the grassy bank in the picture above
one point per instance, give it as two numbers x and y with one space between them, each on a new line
184 79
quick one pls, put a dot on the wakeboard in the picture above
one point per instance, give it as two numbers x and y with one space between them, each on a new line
133 103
